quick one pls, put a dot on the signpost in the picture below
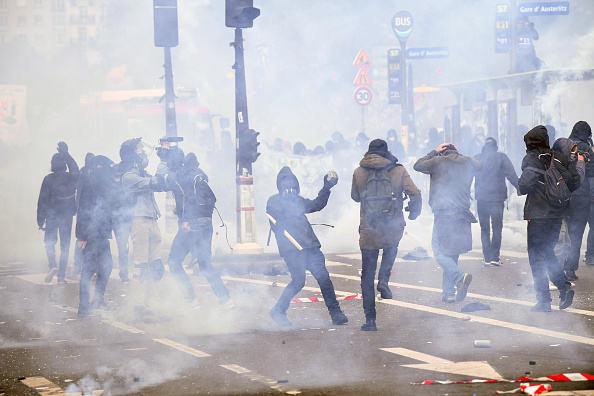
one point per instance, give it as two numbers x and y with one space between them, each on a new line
427 53
502 28
394 76
402 24
555 8
362 94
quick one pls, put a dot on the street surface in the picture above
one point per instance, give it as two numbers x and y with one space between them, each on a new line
46 349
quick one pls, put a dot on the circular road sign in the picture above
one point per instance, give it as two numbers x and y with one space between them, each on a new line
362 96
402 24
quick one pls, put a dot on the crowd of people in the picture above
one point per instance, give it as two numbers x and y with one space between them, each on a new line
119 198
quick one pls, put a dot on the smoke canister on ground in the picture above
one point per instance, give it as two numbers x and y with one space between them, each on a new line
482 343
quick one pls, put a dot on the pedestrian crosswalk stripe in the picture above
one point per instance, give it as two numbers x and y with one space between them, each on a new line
181 347
45 387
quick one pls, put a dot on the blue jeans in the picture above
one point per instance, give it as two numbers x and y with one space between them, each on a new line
490 213
449 263
298 261
121 230
53 227
542 236
96 260
198 240
369 265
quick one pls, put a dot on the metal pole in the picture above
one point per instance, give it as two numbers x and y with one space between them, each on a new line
404 94
513 45
170 119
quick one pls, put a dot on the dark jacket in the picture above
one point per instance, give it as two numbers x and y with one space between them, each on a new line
198 198
581 134
538 155
57 196
387 233
289 214
490 180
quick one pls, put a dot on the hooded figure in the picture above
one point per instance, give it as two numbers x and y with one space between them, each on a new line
55 208
380 184
490 193
298 244
544 221
449 197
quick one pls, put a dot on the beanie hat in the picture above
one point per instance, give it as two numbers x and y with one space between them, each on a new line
58 163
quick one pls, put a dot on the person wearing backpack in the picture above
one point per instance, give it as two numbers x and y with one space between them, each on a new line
379 184
56 207
449 197
490 194
298 244
548 178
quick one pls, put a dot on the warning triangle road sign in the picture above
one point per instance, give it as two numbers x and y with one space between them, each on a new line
362 77
362 60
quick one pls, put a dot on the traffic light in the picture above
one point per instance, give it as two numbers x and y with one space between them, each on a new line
240 13
248 146
165 16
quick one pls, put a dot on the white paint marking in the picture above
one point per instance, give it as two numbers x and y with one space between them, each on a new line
181 347
270 383
337 264
45 387
433 363
114 323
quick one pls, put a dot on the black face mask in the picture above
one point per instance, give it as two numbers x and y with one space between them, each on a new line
289 192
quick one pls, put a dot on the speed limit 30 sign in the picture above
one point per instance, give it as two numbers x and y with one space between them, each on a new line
362 96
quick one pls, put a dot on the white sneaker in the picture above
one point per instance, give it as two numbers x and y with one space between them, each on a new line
50 275
496 263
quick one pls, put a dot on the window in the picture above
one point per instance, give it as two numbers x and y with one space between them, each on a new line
3 21
21 3
22 20
4 4
82 34
38 3
38 20
59 20
58 5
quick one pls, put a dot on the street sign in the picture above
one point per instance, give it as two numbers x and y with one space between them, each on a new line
362 60
394 76
556 8
362 77
402 24
426 53
502 28
362 96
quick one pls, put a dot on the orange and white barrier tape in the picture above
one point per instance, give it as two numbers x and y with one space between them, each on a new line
554 378
529 389
316 299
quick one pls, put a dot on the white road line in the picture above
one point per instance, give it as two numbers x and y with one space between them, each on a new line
337 264
114 323
181 347
454 314
474 295
270 383
43 386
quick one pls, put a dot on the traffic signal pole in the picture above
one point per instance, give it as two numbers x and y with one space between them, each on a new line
170 118
244 180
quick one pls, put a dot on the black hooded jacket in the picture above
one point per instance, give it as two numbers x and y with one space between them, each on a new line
490 180
538 155
289 214
580 134
191 187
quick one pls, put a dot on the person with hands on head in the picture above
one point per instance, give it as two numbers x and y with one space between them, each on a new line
451 175
298 244
56 207
379 184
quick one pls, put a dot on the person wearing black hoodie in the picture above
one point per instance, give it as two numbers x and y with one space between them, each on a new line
544 221
93 232
449 197
85 171
380 178
55 209
580 200
490 194
298 244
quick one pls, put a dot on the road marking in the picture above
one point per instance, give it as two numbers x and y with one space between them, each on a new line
357 256
114 323
43 386
181 347
474 295
270 383
454 314
337 264
432 363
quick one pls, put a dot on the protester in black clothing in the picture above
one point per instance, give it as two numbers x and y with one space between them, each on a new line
544 220
395 146
85 171
93 231
56 207
490 194
298 244
580 200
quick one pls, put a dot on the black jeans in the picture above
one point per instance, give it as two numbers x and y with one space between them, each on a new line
542 236
576 225
298 261
490 214
53 226
369 265
96 260
590 247
198 240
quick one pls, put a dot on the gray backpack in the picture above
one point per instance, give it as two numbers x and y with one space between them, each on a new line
556 191
378 199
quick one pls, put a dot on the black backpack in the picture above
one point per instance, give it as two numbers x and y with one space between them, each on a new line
378 199
203 193
556 191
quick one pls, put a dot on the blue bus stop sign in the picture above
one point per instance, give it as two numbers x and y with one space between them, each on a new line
402 24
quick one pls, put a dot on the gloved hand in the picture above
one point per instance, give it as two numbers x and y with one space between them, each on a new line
414 207
62 148
330 180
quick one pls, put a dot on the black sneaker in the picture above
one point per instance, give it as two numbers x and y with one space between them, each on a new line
541 307
571 276
280 318
462 287
385 292
50 275
566 297
338 317
369 325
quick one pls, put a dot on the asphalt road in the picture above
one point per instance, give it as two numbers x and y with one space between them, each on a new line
46 349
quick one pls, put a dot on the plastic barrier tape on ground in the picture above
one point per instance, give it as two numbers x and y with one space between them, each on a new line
316 299
554 378
528 389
